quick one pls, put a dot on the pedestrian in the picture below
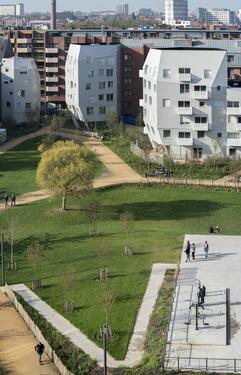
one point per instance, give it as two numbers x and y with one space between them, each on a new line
39 348
6 200
193 250
206 249
187 251
13 200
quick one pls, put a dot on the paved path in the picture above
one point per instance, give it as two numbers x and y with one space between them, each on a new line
219 271
17 344
136 346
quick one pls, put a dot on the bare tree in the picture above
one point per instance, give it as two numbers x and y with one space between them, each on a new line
127 220
34 256
93 205
11 235
107 299
68 281
102 253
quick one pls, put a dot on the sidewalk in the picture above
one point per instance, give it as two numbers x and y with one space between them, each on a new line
17 344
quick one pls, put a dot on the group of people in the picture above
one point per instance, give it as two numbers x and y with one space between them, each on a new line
12 200
190 250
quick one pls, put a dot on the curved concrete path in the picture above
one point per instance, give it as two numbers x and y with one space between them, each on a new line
17 355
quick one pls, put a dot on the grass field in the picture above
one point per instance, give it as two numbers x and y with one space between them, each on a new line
162 217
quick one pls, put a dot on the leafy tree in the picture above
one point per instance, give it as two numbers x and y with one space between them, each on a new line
111 123
66 168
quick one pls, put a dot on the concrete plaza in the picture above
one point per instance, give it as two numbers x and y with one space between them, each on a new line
205 348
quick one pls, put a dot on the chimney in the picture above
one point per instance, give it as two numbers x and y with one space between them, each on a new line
53 14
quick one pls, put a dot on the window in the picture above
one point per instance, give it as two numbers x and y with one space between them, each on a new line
230 58
154 87
166 103
145 98
101 97
146 69
233 135
200 120
219 135
197 153
6 82
91 73
8 104
110 83
88 86
28 105
182 104
208 73
184 135
22 93
101 85
90 110
239 120
102 110
218 88
200 134
232 152
166 133
101 72
109 97
128 92
127 57
128 69
184 88
201 104
129 105
150 100
109 72
200 88
184 120
184 70
128 81
144 83
233 104
149 85
167 73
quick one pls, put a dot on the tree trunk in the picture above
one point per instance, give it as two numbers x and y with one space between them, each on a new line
64 202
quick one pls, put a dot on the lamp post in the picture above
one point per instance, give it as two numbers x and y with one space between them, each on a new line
105 334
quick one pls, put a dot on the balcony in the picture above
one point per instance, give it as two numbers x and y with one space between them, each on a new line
52 79
236 142
52 60
185 77
184 110
24 50
185 141
141 102
53 69
141 73
200 95
201 127
52 88
233 111
24 40
51 50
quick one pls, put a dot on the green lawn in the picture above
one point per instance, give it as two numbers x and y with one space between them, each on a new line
162 217
18 168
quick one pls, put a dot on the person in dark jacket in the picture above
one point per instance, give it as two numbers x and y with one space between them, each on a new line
39 348
188 251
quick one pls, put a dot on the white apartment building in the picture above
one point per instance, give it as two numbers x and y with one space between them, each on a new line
12 10
92 76
122 9
224 16
185 101
20 90
176 10
234 122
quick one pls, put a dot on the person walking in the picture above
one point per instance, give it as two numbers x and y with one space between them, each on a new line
206 249
13 200
6 200
187 251
193 250
39 348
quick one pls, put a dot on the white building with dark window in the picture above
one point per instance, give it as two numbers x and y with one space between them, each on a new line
92 79
176 10
122 9
20 90
224 16
185 102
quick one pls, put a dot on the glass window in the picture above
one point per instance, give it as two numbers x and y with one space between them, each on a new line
184 88
101 97
101 85
167 73
28 105
91 73
233 135
166 133
127 69
109 97
200 134
88 86
90 110
182 104
233 104
127 57
230 58
149 85
184 70
110 83
166 103
109 72
101 72
200 120
184 135
150 100
102 110
128 81
208 73
219 135
201 104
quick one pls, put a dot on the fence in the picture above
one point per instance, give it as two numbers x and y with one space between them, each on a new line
204 364
37 333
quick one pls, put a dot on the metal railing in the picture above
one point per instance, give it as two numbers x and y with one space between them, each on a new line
204 364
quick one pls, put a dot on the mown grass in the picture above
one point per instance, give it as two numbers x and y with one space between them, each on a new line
162 217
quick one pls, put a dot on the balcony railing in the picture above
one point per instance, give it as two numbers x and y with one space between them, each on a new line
234 142
185 77
185 141
233 111
200 94
184 110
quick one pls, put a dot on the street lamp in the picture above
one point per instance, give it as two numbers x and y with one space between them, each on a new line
105 335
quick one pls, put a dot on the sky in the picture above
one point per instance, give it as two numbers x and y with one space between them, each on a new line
44 5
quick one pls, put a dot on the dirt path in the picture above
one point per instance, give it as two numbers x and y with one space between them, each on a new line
17 355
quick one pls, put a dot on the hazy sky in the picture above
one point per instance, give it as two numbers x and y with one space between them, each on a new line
44 5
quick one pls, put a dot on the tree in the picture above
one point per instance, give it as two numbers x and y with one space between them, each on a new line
102 253
11 233
93 205
107 300
34 256
66 168
68 281
127 220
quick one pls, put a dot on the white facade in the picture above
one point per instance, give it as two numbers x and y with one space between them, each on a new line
185 101
19 10
12 10
224 16
20 90
176 10
92 82
234 122
122 9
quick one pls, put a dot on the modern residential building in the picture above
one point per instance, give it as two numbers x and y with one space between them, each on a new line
20 87
200 13
122 10
223 16
16 10
185 101
176 10
92 83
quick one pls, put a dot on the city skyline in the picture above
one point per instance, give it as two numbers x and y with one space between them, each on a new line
157 5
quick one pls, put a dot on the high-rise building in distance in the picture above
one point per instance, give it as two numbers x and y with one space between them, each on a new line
12 10
176 10
122 9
